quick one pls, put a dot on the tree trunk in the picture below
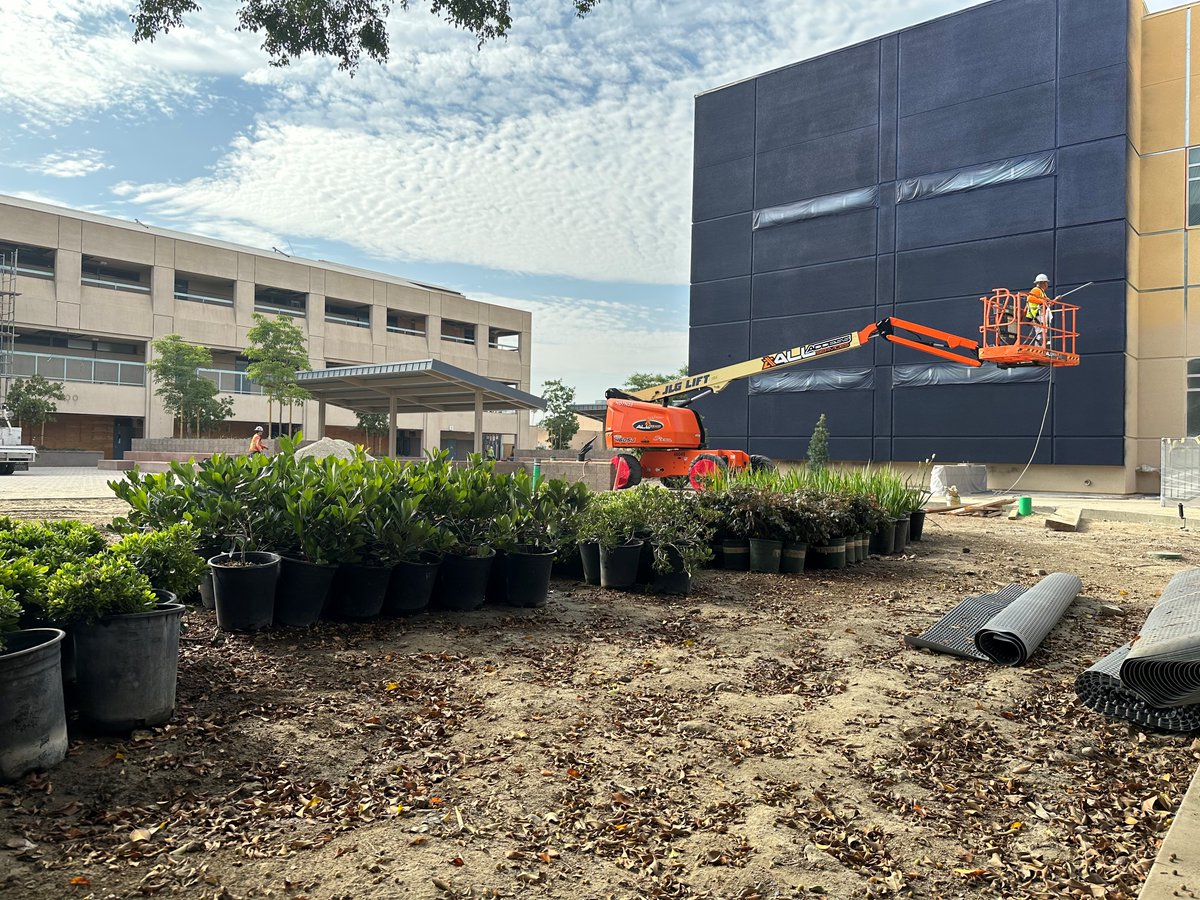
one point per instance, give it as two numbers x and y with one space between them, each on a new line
43 440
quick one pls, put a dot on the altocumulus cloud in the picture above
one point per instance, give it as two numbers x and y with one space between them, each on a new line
70 164
565 151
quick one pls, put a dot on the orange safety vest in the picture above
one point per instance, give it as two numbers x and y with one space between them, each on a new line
1033 306
256 443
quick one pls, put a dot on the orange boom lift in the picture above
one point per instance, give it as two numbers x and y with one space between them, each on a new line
668 435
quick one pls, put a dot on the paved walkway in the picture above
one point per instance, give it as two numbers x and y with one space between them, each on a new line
50 483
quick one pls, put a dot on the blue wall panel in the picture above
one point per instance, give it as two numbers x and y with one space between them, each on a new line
721 248
990 128
827 95
773 335
721 301
839 285
723 189
1004 79
1091 182
988 50
724 127
1091 253
964 269
828 165
827 239
848 413
1092 34
1085 108
976 215
1078 394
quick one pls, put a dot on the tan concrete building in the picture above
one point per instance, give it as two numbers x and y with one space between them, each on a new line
95 292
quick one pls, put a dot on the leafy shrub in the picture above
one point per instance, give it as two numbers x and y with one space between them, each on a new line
102 585
52 544
167 558
10 613
26 581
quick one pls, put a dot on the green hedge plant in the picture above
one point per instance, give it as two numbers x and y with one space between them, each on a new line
102 585
167 558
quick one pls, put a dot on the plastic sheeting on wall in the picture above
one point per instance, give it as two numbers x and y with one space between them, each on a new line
828 205
1020 168
796 381
930 375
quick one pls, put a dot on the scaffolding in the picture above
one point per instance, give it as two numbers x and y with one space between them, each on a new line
8 322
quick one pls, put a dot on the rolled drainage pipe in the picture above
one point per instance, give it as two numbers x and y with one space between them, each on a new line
1010 638
1163 666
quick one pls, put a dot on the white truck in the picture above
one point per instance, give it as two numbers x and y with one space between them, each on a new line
13 454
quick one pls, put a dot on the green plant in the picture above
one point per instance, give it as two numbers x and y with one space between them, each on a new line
677 521
756 512
559 419
918 485
167 558
26 580
32 400
51 544
544 517
102 585
818 445
472 500
10 613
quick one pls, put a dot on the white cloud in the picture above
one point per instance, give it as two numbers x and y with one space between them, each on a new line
566 150
69 164
593 345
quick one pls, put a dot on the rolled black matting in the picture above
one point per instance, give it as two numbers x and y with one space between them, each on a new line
1100 688
1163 666
1010 638
954 633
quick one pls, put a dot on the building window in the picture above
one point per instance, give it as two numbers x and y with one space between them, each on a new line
1193 398
114 275
198 289
1194 186
503 339
279 301
458 332
344 312
399 322
34 262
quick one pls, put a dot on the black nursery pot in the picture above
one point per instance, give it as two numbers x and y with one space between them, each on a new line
301 592
462 582
619 566
589 557
883 538
791 560
900 543
497 587
916 524
527 577
411 586
675 580
244 595
357 592
569 564
736 554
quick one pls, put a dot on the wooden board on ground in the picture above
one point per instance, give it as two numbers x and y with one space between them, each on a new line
1066 521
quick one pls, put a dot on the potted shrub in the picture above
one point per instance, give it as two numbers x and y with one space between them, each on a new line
681 530
126 641
167 558
918 496
540 519
831 552
610 521
244 578
362 579
758 516
33 720
805 525
471 501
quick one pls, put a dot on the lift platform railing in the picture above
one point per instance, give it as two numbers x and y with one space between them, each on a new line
1010 338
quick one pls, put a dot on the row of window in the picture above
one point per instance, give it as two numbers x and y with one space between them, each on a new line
38 262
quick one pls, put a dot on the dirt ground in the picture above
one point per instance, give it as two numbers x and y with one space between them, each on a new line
768 736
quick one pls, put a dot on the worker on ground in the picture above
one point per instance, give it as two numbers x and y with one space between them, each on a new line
1037 308
256 442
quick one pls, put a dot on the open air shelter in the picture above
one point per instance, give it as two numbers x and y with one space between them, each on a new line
416 386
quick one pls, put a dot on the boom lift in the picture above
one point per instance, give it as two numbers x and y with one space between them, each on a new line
658 422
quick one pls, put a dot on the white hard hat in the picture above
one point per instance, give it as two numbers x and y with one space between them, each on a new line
258 428
1041 278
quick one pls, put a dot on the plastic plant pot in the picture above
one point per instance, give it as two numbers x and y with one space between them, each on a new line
244 589
916 524
791 558
883 537
676 579
765 555
33 718
527 577
462 582
589 553
411 586
301 592
736 554
900 543
619 565
358 592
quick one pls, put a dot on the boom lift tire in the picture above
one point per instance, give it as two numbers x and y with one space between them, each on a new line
704 465
761 463
7 468
626 471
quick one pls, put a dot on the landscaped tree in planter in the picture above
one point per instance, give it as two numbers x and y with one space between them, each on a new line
277 351
818 445
559 420
33 401
373 425
188 396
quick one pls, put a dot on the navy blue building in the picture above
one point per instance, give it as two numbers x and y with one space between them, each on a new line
1027 98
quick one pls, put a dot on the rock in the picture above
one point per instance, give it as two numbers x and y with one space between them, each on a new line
327 447
1109 609
698 728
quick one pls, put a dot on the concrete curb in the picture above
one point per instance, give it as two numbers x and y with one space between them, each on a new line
1119 515
1176 870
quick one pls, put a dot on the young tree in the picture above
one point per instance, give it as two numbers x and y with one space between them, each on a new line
639 381
374 425
558 419
33 401
818 445
188 396
276 350
340 29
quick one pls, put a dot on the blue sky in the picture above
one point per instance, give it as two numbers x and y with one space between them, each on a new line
551 171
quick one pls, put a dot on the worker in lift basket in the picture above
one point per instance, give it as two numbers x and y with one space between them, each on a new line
1037 308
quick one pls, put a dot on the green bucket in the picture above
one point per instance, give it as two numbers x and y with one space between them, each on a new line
1024 506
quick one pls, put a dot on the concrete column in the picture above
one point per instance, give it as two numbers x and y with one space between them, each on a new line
391 427
479 421
320 419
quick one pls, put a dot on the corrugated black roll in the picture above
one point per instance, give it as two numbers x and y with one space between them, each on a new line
1010 638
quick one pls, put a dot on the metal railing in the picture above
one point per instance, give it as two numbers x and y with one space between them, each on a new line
458 340
280 310
498 346
115 285
230 381
203 298
396 329
32 272
1180 471
347 320
79 368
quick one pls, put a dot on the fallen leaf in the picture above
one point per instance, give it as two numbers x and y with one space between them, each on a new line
141 834
79 880
457 861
